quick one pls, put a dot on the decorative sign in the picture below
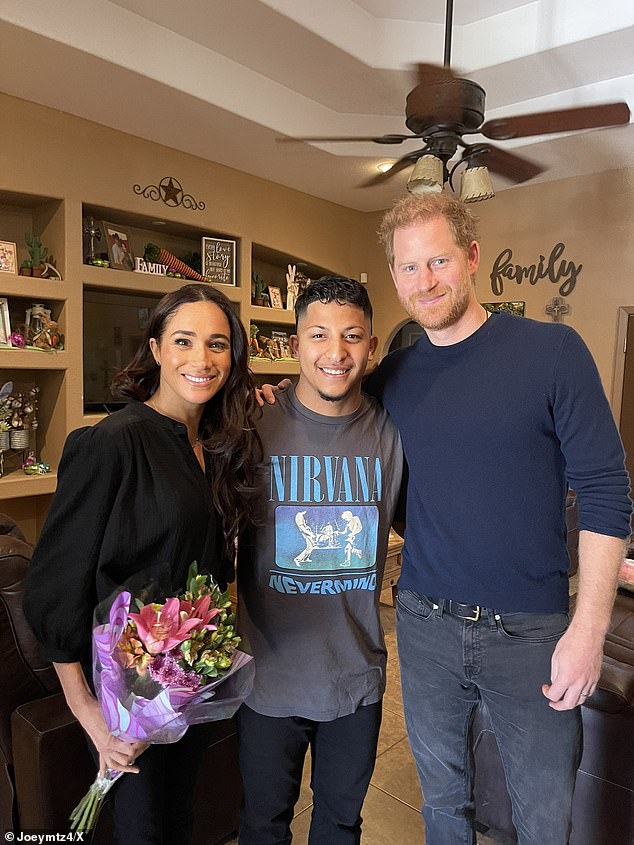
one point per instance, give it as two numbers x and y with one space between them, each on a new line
170 191
151 267
554 269
219 261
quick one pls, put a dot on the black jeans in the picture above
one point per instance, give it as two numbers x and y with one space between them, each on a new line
155 807
272 752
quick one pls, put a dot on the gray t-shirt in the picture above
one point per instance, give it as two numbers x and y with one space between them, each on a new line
309 577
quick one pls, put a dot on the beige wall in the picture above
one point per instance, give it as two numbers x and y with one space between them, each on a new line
55 154
594 217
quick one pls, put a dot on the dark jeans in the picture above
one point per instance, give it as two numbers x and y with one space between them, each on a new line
155 807
272 752
447 666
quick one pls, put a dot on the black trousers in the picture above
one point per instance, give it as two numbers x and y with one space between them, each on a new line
155 807
272 752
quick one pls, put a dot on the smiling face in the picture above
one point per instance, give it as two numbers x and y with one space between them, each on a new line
194 354
333 344
433 279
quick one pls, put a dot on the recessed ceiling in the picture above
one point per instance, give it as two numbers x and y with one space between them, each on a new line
222 79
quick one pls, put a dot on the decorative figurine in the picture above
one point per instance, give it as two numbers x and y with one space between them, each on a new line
93 233
292 287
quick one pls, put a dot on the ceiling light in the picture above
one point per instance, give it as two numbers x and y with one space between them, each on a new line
427 175
384 166
475 185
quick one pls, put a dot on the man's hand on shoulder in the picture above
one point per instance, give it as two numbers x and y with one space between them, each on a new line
575 668
266 393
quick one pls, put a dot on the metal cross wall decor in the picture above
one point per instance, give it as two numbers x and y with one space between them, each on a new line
556 308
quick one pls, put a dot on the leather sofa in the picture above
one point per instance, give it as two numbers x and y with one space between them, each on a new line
603 808
45 766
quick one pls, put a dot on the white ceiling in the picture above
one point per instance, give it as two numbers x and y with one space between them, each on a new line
222 79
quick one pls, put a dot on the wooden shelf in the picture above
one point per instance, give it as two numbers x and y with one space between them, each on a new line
263 366
11 357
124 280
258 314
30 287
16 484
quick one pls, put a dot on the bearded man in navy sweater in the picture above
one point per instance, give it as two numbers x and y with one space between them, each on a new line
498 415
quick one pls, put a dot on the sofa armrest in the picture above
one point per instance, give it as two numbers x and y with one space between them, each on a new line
53 767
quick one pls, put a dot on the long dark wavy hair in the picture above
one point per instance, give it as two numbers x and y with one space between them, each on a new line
227 427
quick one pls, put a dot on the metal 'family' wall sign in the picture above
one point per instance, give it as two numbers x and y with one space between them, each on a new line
557 269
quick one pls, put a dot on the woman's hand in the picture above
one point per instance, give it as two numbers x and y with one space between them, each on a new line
114 753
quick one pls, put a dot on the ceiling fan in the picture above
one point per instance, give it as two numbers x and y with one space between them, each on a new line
443 107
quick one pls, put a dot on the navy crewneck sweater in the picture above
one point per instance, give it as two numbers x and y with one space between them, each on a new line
494 428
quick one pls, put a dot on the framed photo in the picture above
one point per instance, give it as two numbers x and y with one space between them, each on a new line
219 260
119 251
5 322
8 257
516 308
275 295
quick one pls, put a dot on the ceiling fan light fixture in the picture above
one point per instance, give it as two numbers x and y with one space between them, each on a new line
475 185
427 176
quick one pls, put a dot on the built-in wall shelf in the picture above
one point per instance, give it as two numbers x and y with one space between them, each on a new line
16 484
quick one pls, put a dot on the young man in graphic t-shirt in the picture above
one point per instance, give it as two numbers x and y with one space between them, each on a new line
309 579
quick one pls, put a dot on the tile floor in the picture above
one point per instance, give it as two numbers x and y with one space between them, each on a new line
391 813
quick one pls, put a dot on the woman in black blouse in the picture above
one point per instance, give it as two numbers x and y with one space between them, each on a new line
151 488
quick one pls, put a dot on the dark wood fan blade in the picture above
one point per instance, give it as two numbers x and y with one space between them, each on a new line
561 120
426 74
399 165
509 165
379 139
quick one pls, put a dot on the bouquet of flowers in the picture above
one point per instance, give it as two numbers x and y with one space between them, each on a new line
163 668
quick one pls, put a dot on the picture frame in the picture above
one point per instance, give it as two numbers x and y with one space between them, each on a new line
8 257
218 260
275 295
516 308
5 322
120 253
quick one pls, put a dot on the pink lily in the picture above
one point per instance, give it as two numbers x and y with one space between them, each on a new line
199 609
161 628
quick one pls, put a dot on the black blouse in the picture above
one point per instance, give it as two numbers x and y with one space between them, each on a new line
133 507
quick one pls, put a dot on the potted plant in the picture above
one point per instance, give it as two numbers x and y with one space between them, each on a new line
259 296
26 267
38 253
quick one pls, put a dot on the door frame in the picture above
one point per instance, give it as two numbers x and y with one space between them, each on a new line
624 314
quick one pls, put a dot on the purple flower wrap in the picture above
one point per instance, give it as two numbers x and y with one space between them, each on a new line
141 709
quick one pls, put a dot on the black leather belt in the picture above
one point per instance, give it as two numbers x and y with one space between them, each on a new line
468 612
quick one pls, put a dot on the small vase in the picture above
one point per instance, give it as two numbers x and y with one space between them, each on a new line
19 438
5 441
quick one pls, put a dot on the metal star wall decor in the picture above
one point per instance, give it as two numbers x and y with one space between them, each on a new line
170 191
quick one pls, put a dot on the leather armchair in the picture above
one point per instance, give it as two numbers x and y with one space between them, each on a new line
45 765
